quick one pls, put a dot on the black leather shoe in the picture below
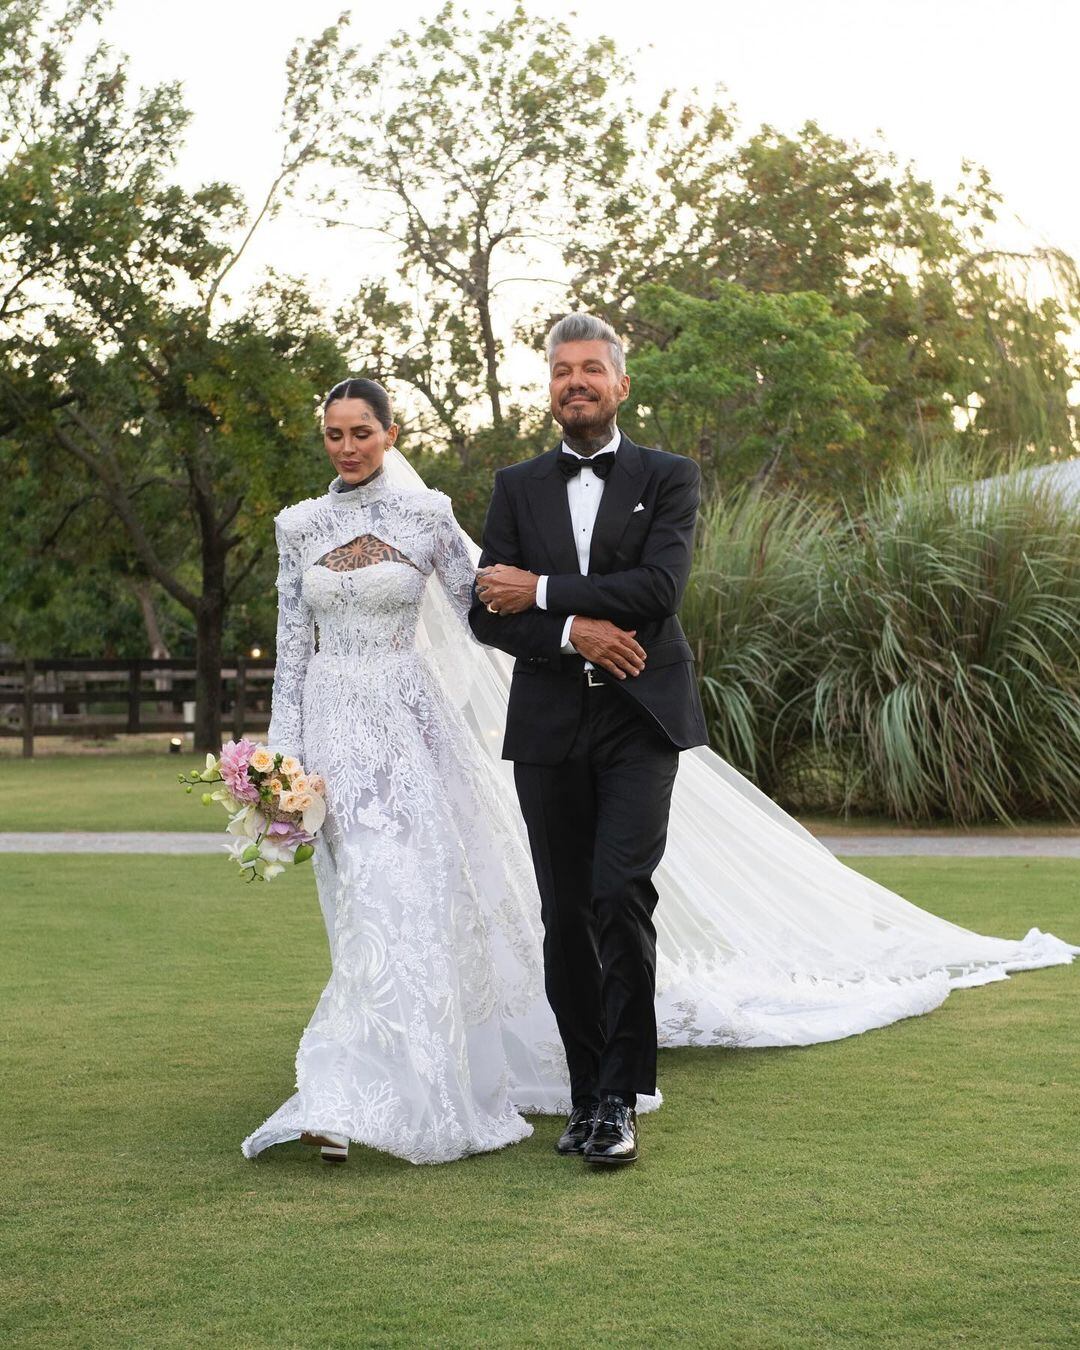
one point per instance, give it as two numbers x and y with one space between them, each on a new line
614 1137
578 1128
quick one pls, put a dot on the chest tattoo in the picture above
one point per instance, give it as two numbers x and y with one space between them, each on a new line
364 551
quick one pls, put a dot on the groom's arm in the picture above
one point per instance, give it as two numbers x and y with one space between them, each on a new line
533 635
654 588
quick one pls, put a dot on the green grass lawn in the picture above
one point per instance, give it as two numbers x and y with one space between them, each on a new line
916 1186
140 792
107 792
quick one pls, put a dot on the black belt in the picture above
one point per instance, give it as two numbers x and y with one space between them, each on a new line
573 667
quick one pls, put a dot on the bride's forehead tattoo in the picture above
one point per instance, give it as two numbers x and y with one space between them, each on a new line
367 422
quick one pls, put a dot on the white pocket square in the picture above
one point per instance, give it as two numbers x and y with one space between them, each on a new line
640 507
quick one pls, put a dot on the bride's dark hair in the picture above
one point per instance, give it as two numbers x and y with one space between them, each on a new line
371 391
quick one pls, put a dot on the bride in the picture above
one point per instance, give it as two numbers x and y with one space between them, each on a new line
433 1035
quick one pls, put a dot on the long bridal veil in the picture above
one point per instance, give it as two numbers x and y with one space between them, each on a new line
764 937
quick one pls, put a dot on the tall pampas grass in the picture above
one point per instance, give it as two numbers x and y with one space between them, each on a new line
749 611
920 658
948 625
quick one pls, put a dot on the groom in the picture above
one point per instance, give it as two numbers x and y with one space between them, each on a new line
587 551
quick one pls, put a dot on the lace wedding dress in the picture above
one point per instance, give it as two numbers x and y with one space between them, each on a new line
434 1021
433 1033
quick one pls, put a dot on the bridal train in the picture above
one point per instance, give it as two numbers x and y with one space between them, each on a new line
433 1038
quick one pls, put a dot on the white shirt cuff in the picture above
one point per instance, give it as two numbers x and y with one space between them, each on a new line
541 593
567 646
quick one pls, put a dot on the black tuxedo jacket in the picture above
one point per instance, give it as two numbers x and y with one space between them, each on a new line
639 564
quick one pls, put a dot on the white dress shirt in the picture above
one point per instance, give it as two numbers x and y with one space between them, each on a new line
583 493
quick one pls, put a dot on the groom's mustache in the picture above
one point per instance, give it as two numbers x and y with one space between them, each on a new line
579 393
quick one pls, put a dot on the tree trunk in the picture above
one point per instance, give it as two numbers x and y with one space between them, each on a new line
159 651
144 594
491 359
765 469
209 622
208 625
706 451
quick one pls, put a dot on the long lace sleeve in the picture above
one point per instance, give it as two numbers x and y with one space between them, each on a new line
453 563
295 644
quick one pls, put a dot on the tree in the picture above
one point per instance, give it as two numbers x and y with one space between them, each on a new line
120 365
752 385
949 330
488 147
70 584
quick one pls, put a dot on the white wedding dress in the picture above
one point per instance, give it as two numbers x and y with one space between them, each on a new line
433 1034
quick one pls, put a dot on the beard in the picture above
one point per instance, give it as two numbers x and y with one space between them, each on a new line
581 418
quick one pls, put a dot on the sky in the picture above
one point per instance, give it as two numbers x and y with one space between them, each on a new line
937 81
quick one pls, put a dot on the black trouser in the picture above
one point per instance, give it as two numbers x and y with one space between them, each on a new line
597 827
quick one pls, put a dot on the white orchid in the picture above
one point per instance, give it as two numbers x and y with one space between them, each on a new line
248 822
273 852
263 857
227 800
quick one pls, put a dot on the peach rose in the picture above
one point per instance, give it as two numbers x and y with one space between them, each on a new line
262 761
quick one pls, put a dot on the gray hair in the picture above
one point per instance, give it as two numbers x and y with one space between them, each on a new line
585 328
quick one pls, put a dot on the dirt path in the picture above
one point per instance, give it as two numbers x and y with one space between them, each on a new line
861 845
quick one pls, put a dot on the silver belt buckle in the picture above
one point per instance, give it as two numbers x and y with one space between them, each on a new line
593 680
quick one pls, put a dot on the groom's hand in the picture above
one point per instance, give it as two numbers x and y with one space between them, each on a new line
506 590
603 644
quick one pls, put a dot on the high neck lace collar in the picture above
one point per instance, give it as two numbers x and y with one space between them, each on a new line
360 495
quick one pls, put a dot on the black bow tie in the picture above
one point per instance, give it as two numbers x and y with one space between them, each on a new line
572 465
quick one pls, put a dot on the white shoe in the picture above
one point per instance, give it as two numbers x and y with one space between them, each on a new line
333 1148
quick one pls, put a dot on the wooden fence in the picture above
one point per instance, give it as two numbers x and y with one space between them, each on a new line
108 698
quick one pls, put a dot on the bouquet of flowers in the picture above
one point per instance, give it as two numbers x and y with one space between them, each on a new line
275 807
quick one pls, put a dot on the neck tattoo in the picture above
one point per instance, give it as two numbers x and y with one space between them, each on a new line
589 444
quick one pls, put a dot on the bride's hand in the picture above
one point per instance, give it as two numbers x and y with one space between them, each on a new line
506 590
